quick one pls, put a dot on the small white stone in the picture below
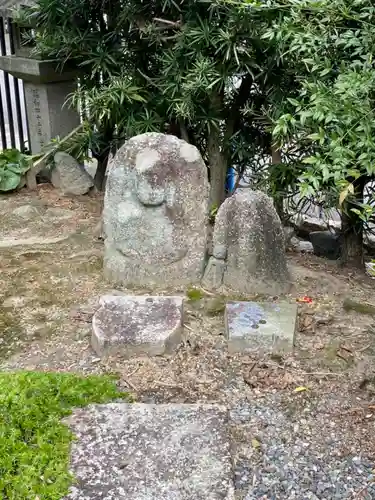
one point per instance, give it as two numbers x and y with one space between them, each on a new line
26 211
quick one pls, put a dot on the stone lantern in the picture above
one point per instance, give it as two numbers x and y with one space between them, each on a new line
46 88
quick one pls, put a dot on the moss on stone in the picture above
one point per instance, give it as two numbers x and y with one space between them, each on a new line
360 307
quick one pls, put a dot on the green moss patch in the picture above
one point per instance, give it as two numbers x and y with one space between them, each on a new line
360 307
194 294
34 443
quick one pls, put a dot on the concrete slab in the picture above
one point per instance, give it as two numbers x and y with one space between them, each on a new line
150 452
131 325
260 327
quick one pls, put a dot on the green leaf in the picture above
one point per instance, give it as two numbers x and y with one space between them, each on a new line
293 101
11 155
326 173
9 181
311 160
360 215
16 168
314 137
325 72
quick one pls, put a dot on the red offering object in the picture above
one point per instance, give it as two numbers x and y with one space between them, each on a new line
305 300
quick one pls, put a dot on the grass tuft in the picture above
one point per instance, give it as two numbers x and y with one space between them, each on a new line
194 294
34 443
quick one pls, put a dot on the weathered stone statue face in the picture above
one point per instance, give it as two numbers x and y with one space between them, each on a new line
155 212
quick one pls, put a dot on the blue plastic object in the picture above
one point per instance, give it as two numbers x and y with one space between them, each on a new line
230 180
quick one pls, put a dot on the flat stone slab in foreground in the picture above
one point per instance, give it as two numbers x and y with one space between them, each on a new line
260 327
131 325
150 452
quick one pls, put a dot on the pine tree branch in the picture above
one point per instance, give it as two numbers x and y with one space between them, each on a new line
167 23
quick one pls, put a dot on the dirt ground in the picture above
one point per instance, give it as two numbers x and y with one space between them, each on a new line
49 290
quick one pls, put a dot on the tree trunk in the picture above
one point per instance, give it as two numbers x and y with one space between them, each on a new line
218 169
351 244
352 231
278 200
102 160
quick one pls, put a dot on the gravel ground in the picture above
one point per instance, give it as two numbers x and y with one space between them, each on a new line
303 453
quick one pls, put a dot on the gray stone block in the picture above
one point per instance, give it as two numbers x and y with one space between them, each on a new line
36 70
150 452
69 176
27 212
288 234
326 244
220 252
133 326
301 245
260 327
214 273
305 224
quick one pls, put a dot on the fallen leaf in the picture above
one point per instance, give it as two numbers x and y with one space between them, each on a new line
306 322
319 345
249 382
321 320
349 189
255 444
300 389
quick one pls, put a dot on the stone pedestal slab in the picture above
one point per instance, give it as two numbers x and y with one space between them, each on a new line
136 325
151 452
260 327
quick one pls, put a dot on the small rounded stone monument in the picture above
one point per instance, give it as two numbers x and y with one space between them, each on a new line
248 253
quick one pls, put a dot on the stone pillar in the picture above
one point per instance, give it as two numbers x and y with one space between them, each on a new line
47 116
46 91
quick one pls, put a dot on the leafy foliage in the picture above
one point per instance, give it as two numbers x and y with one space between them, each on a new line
34 444
240 79
200 70
13 165
330 45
